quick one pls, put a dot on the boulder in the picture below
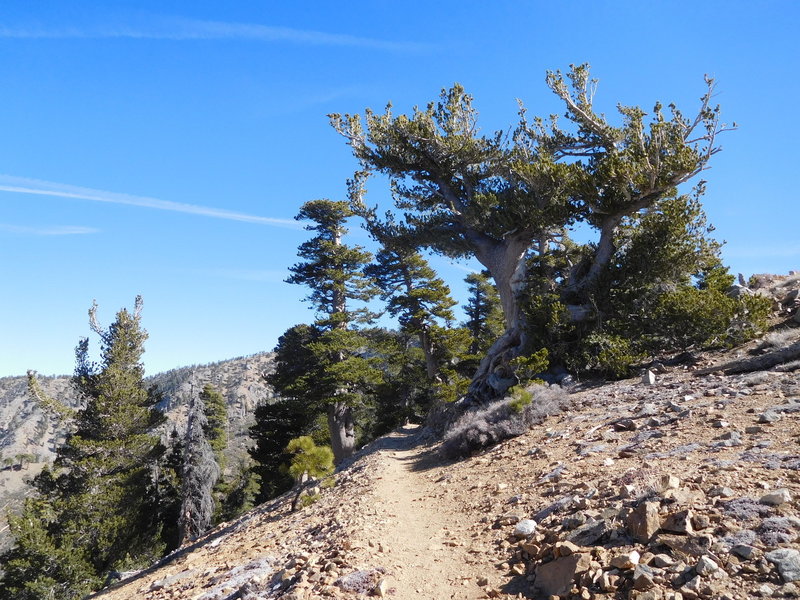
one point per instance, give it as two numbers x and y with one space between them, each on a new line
787 560
776 497
555 578
679 522
644 521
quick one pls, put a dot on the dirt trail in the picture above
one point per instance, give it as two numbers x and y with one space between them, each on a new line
418 536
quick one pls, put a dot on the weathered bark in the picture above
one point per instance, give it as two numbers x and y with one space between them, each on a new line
431 366
506 263
578 286
342 429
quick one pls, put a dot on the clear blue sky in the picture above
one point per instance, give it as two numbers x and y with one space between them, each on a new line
163 148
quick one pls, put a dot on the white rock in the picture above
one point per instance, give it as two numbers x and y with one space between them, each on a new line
525 528
776 497
705 565
788 562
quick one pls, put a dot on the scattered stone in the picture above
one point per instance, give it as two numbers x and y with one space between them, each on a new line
721 492
744 551
663 561
649 378
608 582
643 578
555 577
590 533
787 560
700 522
679 522
644 521
670 482
769 417
789 590
626 561
381 590
566 549
525 528
705 566
776 497
765 590
648 409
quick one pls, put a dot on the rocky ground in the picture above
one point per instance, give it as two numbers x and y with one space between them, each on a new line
676 486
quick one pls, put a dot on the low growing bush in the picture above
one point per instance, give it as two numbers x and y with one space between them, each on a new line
481 428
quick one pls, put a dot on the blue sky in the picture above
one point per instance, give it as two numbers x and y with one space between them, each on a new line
163 148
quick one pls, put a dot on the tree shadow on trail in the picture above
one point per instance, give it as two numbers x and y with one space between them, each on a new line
404 439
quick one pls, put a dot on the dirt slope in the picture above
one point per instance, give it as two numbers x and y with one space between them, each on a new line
701 452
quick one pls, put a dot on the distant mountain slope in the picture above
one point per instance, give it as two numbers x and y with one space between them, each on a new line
26 430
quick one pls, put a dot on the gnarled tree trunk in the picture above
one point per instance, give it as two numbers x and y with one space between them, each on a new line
342 430
506 263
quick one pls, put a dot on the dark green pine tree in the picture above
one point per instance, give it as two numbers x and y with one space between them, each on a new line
237 485
289 415
334 271
91 514
415 296
216 429
484 313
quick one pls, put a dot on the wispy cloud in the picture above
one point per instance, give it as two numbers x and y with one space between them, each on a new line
178 29
23 185
54 230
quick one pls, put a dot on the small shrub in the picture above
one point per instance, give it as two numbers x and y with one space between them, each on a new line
749 318
608 354
485 427
520 398
308 500
527 367
691 317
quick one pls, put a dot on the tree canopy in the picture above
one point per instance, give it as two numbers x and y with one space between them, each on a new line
509 199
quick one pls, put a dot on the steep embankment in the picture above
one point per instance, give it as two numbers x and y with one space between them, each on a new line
683 489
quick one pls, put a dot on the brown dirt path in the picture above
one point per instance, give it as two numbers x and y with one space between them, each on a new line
415 535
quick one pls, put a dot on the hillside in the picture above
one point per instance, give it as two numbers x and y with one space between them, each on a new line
682 488
25 429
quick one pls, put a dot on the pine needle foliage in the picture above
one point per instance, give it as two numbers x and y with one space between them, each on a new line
91 514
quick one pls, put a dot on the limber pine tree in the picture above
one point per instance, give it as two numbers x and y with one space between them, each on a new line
503 200
334 272
91 514
308 460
